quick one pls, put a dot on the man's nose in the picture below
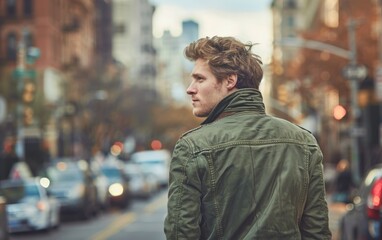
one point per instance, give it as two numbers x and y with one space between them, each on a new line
191 90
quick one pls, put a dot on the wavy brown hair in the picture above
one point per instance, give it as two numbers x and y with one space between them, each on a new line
226 56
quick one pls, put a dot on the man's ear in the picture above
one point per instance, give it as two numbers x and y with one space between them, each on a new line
231 81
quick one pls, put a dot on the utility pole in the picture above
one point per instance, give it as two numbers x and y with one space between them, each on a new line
354 103
354 72
378 77
20 68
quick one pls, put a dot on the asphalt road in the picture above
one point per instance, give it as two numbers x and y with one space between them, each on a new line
143 220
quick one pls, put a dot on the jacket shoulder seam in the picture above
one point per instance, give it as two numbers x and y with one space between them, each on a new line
190 131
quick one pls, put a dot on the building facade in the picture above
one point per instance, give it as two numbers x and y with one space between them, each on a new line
41 41
133 41
172 67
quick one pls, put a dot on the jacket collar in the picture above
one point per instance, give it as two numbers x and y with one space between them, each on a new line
246 99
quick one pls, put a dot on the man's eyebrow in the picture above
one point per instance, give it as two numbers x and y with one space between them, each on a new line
196 75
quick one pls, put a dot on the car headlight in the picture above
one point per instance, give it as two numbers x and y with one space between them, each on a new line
45 182
116 189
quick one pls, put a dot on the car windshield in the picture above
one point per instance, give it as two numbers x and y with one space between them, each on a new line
161 162
152 164
64 175
18 194
111 172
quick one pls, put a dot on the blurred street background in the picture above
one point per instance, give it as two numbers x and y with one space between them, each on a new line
97 81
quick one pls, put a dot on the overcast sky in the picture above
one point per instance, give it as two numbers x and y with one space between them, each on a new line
247 20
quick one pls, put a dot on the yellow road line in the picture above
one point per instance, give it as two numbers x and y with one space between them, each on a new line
115 226
128 218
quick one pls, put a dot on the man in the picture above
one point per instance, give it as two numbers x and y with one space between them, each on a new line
242 174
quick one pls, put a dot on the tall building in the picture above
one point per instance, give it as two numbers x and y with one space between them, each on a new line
173 69
103 32
133 41
190 31
169 66
290 18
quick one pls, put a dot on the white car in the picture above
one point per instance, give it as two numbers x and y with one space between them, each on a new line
156 162
28 205
141 184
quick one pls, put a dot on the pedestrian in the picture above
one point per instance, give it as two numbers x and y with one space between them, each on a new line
242 174
344 183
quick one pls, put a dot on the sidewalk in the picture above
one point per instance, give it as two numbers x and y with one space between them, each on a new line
336 211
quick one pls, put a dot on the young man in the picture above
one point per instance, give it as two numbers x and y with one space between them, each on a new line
242 174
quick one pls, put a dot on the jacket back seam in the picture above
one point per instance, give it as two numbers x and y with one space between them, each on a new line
250 142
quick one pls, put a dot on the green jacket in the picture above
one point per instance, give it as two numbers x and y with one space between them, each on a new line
245 175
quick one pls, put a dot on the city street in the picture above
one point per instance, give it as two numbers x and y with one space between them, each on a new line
87 85
141 221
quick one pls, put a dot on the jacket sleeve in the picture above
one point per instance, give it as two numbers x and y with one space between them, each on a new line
315 219
183 207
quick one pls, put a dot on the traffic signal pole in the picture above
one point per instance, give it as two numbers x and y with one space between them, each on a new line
20 68
25 77
354 130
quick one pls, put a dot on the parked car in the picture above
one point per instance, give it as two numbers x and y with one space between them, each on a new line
364 218
72 183
141 184
118 185
3 220
154 162
20 170
29 207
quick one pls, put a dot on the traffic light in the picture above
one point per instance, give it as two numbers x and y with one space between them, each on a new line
27 96
339 112
28 93
156 144
28 116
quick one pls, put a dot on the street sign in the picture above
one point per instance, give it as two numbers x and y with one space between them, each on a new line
354 72
357 132
20 73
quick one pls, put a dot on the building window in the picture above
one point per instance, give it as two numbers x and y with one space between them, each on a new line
11 8
11 47
331 15
145 29
119 28
290 21
290 4
28 40
146 48
28 8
